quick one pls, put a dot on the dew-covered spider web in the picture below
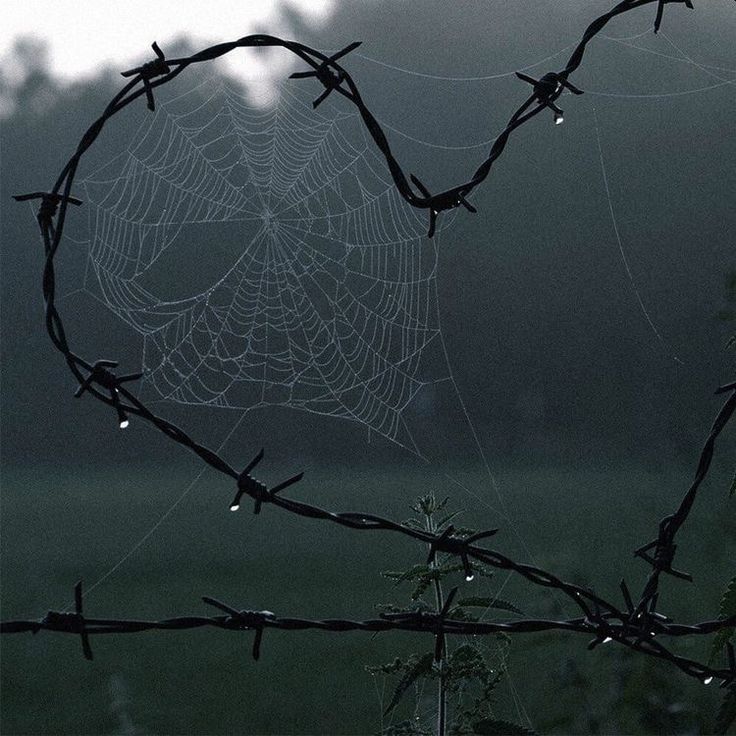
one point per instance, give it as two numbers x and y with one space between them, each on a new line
313 281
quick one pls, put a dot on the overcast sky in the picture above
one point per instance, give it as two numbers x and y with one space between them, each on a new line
84 35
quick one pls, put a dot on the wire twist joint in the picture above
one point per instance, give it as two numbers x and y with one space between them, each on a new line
157 67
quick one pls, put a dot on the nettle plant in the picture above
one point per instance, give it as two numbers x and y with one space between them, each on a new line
455 683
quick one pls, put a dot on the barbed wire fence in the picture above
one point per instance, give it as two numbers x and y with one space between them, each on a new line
637 624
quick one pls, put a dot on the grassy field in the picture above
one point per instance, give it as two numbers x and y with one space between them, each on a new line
60 527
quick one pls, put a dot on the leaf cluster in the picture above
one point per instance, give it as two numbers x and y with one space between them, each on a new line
470 672
727 711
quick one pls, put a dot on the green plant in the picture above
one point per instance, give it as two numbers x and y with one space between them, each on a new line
452 686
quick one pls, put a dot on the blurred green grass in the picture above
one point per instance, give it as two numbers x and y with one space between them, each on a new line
60 527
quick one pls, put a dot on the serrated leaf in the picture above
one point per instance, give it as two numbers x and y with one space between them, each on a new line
504 650
428 505
415 668
726 712
421 587
491 727
727 609
441 505
728 602
720 640
484 570
467 662
415 607
464 653
410 574
386 669
449 567
481 602
447 519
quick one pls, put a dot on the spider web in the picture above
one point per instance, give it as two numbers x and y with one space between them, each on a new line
314 285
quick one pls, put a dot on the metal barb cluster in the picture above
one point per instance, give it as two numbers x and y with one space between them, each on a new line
50 202
259 492
70 623
634 626
245 620
101 374
548 89
660 10
454 545
663 551
328 73
158 67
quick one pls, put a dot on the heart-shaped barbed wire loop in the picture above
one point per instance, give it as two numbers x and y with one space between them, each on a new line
633 625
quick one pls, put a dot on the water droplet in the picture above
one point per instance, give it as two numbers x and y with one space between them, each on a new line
469 578
708 680
559 119
124 423
607 639
235 507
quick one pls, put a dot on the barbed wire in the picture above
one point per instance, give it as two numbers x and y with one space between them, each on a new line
637 633
634 625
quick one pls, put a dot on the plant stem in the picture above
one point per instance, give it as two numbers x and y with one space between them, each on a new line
439 601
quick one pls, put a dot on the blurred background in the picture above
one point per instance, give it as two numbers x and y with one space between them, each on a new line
581 373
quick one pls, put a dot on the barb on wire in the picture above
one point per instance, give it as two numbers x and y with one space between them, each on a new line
70 623
158 67
663 552
634 626
50 202
253 620
331 80
660 10
454 545
548 89
101 374
441 202
259 492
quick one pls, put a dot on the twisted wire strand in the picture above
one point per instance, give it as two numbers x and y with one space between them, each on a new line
633 626
628 633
